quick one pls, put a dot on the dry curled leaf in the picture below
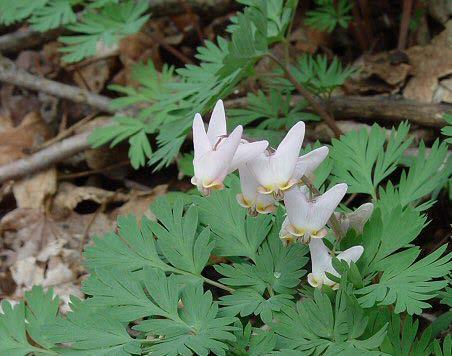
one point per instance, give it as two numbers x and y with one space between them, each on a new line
32 192
429 64
17 141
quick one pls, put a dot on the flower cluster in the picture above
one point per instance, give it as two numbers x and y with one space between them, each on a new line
269 176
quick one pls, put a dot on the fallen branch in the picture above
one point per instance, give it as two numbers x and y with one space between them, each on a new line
45 158
378 108
392 109
23 39
386 109
9 73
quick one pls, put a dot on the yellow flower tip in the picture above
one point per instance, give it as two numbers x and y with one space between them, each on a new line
266 189
319 234
213 185
243 202
288 185
314 282
261 209
296 231
288 239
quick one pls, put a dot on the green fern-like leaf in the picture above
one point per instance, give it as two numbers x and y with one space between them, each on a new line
103 29
235 232
20 326
363 160
447 130
316 327
54 14
329 14
407 283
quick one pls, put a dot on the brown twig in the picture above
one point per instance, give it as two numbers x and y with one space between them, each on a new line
404 24
174 51
45 158
65 133
9 73
319 109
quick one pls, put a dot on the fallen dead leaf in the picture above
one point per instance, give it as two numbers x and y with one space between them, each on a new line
429 64
138 204
379 73
16 141
31 192
70 195
93 76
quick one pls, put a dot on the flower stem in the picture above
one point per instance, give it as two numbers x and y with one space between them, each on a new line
329 120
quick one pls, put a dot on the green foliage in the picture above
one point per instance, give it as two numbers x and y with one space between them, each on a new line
253 341
178 248
316 326
103 29
426 173
170 99
151 278
329 14
319 76
271 113
235 232
20 337
447 130
98 27
364 159
265 286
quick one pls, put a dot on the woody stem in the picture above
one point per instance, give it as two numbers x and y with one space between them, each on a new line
324 114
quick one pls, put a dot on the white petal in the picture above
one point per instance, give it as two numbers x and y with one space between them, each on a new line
246 152
201 142
321 260
291 143
351 254
298 207
282 162
307 163
325 204
217 124
230 144
359 217
213 167
248 184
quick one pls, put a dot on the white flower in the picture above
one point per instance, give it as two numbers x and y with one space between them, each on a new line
216 154
307 217
307 164
250 198
321 261
356 219
274 171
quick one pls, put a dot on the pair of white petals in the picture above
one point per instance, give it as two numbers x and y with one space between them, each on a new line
322 262
306 216
216 154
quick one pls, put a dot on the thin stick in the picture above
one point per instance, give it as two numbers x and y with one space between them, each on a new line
404 24
45 158
9 73
329 120
65 133
333 222
175 52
